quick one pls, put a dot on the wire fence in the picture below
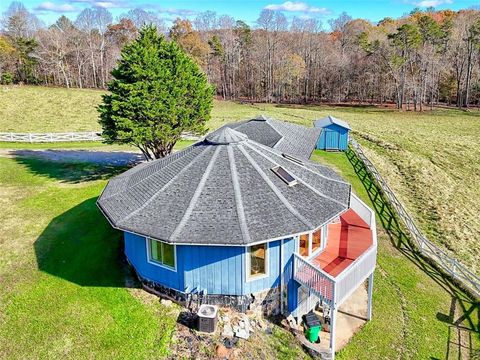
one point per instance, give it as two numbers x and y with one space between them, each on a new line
447 263
65 137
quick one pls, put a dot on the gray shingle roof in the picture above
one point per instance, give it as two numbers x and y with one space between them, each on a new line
222 191
286 137
330 120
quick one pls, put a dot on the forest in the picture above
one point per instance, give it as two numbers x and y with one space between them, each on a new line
423 59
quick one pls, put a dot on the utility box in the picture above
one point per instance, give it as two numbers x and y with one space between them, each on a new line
207 318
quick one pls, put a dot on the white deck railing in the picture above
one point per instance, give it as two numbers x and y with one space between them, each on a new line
335 290
311 276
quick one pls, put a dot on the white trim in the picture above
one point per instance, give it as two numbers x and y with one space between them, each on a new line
159 264
248 277
320 248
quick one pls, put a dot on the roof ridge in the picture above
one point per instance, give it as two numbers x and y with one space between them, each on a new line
298 178
127 175
238 196
196 195
163 187
282 198
270 150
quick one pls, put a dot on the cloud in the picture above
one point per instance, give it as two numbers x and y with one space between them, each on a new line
297 6
106 4
178 12
60 8
432 3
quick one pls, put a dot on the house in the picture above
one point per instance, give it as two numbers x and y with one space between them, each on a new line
334 134
233 222
293 139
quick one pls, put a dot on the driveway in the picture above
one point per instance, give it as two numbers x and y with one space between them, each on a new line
113 158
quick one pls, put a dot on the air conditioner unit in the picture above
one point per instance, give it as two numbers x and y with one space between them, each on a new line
207 318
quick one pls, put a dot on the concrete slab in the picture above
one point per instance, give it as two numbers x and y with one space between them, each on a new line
351 316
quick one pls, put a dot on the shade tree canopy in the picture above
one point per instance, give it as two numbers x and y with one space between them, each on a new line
157 93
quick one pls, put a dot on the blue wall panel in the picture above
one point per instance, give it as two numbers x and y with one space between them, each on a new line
136 252
333 137
216 269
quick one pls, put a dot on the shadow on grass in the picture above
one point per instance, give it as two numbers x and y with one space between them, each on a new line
462 307
71 172
81 247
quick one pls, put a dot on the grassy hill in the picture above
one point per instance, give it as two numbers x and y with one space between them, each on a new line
429 159
66 292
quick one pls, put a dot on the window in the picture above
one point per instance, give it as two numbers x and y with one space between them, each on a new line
162 253
284 175
304 244
257 260
316 240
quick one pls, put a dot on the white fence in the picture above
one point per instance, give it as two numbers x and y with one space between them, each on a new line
446 262
50 137
65 137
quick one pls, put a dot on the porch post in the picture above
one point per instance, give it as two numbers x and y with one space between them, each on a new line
370 293
333 321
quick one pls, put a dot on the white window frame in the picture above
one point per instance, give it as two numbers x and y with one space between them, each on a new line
150 260
248 263
320 248
311 254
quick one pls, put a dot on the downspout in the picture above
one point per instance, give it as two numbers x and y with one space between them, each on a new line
282 280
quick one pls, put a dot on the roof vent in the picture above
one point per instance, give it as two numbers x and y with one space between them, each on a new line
292 158
284 175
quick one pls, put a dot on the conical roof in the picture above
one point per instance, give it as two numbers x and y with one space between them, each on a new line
225 190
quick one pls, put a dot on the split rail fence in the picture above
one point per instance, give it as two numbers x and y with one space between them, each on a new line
447 263
63 137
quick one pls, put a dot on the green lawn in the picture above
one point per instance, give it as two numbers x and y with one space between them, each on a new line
62 277
57 300
65 288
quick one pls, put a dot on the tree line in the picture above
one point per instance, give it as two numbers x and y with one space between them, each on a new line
420 60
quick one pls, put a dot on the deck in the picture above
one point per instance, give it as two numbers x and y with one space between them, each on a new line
347 240
348 258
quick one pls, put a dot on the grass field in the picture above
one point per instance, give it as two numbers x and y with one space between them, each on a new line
65 288
63 278
431 159
64 292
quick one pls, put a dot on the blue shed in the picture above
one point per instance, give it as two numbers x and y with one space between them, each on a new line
334 135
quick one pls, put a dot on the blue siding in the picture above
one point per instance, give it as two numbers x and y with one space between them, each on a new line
136 252
333 137
217 269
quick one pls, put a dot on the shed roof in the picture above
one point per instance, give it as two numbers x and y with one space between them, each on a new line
293 139
223 191
329 120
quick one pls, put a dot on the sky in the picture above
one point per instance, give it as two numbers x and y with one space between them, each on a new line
247 10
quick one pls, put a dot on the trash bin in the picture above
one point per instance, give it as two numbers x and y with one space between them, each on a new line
312 327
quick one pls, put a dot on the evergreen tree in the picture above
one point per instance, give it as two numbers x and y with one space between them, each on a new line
157 93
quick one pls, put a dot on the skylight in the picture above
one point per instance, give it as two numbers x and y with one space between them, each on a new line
284 175
292 158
